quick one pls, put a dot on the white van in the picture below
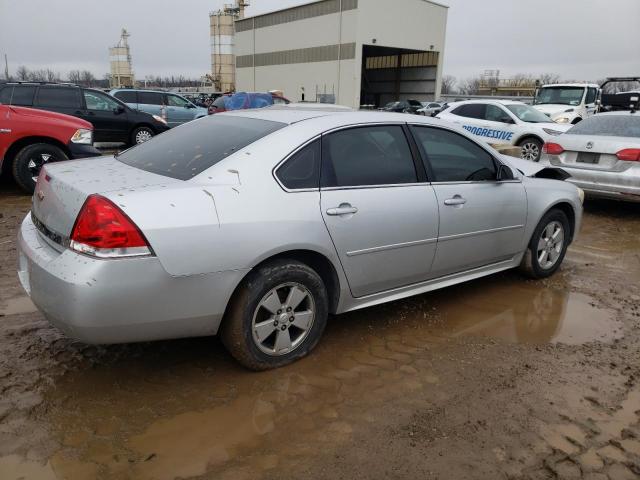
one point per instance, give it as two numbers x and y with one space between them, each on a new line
567 103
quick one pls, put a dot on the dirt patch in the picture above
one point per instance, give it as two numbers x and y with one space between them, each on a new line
498 378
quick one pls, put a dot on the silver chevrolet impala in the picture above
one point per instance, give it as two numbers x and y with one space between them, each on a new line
257 225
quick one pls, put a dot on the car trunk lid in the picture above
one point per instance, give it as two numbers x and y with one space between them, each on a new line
63 187
593 152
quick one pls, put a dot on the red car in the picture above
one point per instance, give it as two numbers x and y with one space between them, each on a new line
29 138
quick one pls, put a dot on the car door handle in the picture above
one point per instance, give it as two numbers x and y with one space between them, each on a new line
456 200
343 209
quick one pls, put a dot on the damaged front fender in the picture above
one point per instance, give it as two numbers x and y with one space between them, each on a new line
535 170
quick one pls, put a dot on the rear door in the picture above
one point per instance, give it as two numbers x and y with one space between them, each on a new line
109 118
130 97
151 102
65 100
482 219
382 217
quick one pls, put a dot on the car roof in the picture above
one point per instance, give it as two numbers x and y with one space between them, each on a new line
496 101
625 113
291 116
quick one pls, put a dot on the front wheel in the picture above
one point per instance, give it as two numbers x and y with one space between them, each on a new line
277 316
30 160
548 245
531 149
141 135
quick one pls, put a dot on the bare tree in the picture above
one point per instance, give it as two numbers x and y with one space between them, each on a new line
448 84
87 78
549 78
38 75
52 76
22 73
470 86
74 76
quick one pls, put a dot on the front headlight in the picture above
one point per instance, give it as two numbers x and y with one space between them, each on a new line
562 120
160 119
550 131
581 195
83 135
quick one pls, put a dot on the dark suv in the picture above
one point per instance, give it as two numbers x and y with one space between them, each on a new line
112 120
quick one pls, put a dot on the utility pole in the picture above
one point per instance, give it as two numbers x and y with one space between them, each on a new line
6 67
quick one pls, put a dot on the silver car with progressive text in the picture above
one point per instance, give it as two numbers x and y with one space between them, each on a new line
258 224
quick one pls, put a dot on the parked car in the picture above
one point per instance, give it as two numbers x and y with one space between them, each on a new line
112 120
245 100
602 155
505 122
258 224
430 109
174 108
31 138
403 106
567 103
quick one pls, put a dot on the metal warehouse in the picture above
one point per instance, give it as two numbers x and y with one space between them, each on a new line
351 52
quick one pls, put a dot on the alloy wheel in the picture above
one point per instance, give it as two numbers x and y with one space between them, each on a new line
283 319
550 245
530 151
143 136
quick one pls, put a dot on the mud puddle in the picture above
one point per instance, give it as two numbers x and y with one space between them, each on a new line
17 306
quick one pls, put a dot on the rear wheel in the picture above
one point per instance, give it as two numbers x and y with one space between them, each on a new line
141 135
531 149
30 160
548 245
277 316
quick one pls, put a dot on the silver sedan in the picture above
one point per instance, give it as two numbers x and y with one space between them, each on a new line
258 224
602 155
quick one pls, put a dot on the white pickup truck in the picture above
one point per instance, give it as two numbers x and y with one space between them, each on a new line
567 103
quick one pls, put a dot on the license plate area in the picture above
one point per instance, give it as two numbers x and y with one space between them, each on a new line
588 157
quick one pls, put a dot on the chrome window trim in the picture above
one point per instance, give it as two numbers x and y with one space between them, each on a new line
361 187
394 246
478 232
287 158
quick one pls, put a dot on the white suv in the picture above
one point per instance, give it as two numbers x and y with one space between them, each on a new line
505 122
567 102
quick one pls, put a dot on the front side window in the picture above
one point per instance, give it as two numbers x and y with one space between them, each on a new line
452 157
496 114
376 155
189 150
59 97
592 94
99 101
150 98
175 101
302 170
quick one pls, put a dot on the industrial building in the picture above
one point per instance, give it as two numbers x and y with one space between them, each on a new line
351 52
223 63
120 60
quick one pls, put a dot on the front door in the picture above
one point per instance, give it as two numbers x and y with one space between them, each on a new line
179 111
109 118
382 220
482 219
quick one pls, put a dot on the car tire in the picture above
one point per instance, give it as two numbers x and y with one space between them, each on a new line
546 251
253 305
531 149
141 135
29 161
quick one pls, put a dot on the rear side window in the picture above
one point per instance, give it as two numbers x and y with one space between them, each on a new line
150 98
609 125
127 97
190 149
454 158
302 170
19 95
376 155
58 97
470 110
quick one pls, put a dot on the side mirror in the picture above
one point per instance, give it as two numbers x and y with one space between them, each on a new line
504 173
190 105
118 110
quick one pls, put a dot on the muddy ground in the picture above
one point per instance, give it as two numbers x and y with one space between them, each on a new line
501 378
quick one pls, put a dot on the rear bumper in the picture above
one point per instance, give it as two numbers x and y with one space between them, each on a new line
119 301
614 185
79 150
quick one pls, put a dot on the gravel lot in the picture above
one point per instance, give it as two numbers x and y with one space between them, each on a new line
501 378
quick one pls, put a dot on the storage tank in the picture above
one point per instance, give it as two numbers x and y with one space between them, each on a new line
120 60
223 63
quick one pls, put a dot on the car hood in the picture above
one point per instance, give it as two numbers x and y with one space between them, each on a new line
534 169
553 108
58 118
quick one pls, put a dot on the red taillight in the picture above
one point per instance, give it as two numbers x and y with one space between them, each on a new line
552 148
629 155
103 230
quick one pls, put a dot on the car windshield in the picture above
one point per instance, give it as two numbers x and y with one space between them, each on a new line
186 151
609 125
559 95
528 114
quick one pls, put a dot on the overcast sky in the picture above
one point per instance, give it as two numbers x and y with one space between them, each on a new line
577 39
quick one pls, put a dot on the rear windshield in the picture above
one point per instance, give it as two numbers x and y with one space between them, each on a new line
609 125
186 151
